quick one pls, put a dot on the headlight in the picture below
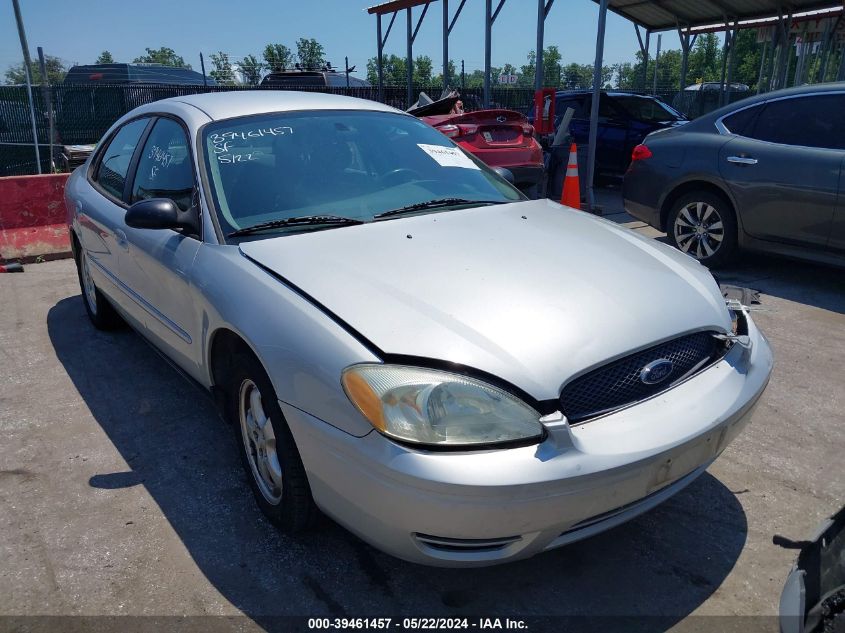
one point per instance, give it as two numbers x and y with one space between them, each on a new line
425 406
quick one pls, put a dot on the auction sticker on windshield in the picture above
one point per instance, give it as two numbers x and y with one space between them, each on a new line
448 156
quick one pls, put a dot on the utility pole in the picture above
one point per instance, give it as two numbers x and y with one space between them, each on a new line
346 64
47 94
463 77
27 66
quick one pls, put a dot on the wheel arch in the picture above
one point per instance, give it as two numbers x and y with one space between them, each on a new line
75 245
689 186
223 344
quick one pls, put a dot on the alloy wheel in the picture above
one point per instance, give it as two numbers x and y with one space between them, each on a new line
699 230
259 441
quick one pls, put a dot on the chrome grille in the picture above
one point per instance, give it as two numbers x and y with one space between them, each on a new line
618 383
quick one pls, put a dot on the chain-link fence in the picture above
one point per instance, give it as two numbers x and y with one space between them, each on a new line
83 112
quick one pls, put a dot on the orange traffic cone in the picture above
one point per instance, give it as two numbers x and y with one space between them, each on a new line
571 194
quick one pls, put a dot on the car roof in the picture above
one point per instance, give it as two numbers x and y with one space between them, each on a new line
578 92
225 105
706 119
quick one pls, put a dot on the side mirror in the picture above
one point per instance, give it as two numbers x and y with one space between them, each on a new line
507 174
154 213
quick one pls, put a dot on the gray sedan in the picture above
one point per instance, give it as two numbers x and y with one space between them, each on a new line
399 338
766 173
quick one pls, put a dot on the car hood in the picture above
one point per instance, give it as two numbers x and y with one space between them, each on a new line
531 292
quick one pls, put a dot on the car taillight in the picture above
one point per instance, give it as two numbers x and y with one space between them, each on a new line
527 129
641 152
453 131
450 130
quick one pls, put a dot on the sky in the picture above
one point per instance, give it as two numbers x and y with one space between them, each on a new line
78 31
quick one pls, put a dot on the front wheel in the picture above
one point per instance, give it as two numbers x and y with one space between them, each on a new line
268 451
703 225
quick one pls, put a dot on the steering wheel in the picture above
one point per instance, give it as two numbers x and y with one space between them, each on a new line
398 175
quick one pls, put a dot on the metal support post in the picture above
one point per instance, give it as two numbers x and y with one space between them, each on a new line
488 32
47 93
644 50
657 62
594 109
27 66
409 60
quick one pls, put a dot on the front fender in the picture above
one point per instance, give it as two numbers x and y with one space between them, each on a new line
302 348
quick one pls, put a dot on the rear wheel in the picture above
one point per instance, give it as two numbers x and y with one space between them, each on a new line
702 224
100 311
268 451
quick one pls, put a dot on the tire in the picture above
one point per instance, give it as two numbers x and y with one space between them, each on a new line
703 225
268 452
100 311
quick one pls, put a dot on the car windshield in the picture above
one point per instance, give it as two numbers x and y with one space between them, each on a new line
646 109
351 164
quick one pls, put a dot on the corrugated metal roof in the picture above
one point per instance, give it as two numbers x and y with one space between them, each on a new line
661 15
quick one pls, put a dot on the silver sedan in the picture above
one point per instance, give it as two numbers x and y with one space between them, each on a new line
458 375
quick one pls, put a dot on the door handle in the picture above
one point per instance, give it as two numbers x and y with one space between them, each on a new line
742 160
121 238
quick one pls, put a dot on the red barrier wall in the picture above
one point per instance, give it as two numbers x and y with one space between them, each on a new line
32 217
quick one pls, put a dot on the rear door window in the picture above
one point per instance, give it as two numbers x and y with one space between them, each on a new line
164 169
811 121
562 104
742 122
646 108
115 159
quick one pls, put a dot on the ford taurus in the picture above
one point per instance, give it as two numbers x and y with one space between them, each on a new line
458 375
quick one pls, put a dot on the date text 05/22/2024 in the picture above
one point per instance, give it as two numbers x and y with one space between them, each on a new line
417 624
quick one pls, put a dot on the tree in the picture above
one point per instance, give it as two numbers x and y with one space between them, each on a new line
277 57
705 59
747 54
454 77
310 53
422 70
222 73
251 69
393 68
56 71
396 71
105 58
552 69
626 77
165 56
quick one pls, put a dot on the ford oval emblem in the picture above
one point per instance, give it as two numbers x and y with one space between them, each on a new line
656 371
501 118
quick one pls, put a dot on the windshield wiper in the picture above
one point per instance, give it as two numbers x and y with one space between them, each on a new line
433 204
305 220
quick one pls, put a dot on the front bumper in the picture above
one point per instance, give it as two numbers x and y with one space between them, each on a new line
487 507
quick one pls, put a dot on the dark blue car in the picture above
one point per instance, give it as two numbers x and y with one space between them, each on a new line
625 119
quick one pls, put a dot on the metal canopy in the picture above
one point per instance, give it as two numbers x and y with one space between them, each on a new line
395 5
665 15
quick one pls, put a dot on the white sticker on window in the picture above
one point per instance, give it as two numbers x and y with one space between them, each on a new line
448 156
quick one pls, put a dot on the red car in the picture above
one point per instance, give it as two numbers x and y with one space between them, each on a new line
500 138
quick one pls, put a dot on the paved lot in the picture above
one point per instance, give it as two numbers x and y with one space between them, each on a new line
121 492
